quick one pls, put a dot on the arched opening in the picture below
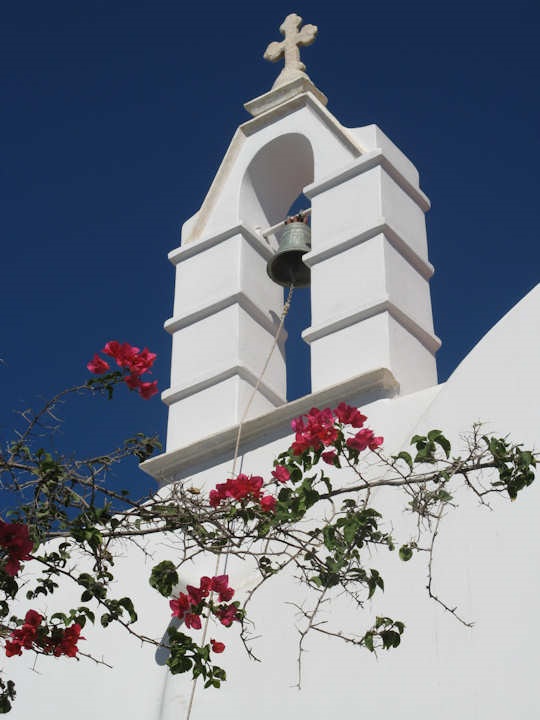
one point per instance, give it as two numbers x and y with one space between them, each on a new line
271 191
274 179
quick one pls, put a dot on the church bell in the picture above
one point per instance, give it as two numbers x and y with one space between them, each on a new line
287 267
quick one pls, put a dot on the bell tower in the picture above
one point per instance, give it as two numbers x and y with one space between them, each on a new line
371 311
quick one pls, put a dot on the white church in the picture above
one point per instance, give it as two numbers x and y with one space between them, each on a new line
372 345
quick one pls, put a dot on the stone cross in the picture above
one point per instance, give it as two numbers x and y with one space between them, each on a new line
289 48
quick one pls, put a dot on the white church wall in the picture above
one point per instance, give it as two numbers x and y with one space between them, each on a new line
486 563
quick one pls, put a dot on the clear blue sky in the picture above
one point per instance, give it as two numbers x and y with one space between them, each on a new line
115 117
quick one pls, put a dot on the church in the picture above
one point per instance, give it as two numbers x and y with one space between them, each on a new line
372 345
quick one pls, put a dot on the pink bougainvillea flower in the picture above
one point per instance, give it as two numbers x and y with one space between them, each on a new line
32 636
349 415
281 474
142 361
24 636
67 644
268 503
133 381
136 362
329 457
111 348
217 647
13 648
148 389
220 584
180 605
242 487
365 439
192 620
205 586
196 595
33 618
15 539
227 614
318 430
124 353
97 365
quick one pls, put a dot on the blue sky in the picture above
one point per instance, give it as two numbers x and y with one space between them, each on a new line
116 116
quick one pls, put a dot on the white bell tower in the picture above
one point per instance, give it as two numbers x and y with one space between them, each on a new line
371 325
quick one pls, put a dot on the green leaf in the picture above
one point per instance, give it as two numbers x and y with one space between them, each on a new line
405 553
127 604
406 458
164 577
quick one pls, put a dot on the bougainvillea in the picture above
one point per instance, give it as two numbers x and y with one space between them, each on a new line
16 542
133 361
33 635
293 518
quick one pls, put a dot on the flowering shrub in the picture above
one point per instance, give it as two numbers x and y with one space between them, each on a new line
16 542
33 635
133 361
294 517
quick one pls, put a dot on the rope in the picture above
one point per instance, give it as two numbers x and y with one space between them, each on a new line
286 308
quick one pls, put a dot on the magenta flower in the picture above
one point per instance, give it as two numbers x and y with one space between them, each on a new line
97 365
217 647
349 415
281 474
268 503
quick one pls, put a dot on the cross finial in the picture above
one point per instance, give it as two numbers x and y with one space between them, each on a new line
289 48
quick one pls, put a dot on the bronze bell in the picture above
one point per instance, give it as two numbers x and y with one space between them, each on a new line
286 267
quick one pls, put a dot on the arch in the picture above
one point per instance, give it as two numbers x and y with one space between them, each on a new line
272 188
274 178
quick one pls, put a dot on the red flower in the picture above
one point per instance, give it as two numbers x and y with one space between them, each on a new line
15 540
142 362
365 439
268 503
33 618
195 595
180 605
318 431
241 487
31 635
132 381
220 584
112 348
281 474
349 415
217 647
13 648
67 644
148 389
97 365
136 362
227 614
123 354
329 456
193 620
25 636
